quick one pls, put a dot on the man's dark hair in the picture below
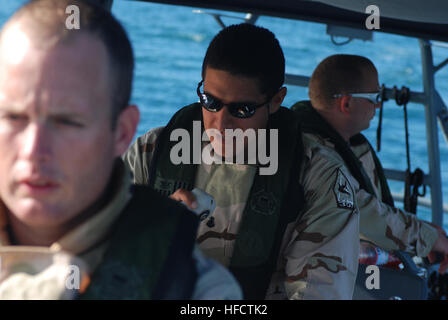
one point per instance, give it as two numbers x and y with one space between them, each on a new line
250 51
338 74
45 21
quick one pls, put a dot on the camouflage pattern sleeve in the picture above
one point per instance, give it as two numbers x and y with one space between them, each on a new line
389 228
138 157
322 253
392 228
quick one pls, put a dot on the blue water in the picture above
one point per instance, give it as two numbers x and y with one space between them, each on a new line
170 43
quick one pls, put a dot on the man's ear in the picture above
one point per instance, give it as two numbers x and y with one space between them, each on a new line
125 128
343 104
277 100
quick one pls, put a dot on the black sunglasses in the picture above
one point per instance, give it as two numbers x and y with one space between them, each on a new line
237 109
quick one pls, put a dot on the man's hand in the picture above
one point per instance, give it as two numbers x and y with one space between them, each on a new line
440 246
186 196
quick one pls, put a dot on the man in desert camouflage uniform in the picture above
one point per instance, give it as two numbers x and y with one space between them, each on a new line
291 235
344 93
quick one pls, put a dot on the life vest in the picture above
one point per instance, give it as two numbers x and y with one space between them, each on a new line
312 122
273 202
150 254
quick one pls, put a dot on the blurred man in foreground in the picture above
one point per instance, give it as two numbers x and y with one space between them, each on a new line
65 194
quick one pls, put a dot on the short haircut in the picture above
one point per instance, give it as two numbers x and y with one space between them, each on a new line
250 51
338 74
45 20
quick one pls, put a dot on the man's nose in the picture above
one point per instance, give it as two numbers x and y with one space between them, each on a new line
36 143
223 119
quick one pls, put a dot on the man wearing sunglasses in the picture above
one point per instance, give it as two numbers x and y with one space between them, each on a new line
269 230
344 93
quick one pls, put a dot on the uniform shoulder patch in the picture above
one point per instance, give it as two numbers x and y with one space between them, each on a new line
343 191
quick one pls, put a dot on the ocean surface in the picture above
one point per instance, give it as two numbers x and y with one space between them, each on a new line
170 43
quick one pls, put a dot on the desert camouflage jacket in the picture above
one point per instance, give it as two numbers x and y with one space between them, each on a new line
380 222
319 252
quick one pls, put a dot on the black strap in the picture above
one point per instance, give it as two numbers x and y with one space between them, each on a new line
255 280
402 99
380 120
181 176
413 180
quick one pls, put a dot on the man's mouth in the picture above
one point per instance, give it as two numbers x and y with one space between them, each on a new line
39 184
